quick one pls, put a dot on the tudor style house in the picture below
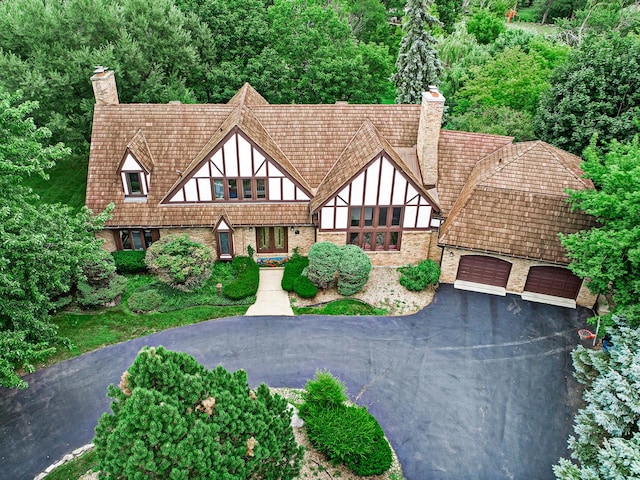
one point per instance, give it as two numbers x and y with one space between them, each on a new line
384 177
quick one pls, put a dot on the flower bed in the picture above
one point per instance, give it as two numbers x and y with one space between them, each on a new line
272 261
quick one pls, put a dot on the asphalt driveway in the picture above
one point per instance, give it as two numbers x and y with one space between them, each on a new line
472 387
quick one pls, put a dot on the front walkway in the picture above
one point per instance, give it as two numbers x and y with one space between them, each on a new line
271 298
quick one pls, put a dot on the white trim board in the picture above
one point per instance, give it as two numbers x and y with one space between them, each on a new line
480 287
549 299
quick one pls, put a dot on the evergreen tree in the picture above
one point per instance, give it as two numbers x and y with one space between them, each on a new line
418 64
173 418
607 443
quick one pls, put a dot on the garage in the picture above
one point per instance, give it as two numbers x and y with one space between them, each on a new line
553 281
483 274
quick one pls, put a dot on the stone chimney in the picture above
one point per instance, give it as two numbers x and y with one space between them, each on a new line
429 134
104 86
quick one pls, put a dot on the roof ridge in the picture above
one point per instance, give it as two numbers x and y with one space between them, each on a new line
132 147
559 155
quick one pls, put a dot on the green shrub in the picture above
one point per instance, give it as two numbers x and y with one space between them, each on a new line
174 418
180 262
292 270
247 279
100 285
144 301
420 276
353 270
486 26
349 435
130 261
304 287
324 390
324 258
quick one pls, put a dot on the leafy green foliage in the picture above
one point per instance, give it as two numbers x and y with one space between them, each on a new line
304 287
100 284
448 13
344 306
607 443
145 301
247 278
346 434
353 270
486 26
130 261
418 277
608 256
417 65
324 258
180 262
292 270
173 418
593 93
43 250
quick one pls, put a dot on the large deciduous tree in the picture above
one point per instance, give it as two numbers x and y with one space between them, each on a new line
417 65
43 249
173 418
608 256
595 92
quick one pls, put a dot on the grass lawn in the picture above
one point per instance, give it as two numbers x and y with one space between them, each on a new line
344 306
538 28
76 468
67 182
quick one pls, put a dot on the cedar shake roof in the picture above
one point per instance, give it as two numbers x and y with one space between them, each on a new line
247 95
140 150
515 203
458 153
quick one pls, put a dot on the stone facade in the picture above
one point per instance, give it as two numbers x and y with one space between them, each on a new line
415 246
517 277
109 241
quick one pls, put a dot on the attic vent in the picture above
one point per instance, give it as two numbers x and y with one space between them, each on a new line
175 102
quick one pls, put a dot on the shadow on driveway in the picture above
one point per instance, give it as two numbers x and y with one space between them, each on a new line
472 387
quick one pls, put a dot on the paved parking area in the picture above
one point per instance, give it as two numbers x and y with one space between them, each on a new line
472 387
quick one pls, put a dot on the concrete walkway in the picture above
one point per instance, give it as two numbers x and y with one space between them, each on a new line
271 299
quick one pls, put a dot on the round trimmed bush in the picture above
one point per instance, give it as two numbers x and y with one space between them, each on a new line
418 277
304 287
353 270
324 390
324 258
144 301
180 262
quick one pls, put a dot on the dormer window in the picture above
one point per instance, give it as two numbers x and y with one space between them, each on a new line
135 179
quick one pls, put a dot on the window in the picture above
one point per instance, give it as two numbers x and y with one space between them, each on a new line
136 239
375 228
134 183
224 243
271 239
240 188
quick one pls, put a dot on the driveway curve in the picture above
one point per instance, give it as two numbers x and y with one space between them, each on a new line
472 387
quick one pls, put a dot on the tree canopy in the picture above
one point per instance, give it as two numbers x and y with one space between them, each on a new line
594 92
608 256
43 249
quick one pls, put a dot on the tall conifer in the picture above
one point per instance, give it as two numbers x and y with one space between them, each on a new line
418 65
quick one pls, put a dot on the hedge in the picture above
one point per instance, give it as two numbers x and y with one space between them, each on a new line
247 278
130 261
304 287
292 270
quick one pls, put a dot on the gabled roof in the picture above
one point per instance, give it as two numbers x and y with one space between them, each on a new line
247 95
364 147
140 150
515 203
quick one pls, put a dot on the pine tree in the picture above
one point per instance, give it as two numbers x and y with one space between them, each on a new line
418 65
173 418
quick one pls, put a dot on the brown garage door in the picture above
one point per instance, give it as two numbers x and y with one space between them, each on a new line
485 270
556 281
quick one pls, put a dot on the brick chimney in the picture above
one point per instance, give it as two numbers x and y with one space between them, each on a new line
104 86
429 134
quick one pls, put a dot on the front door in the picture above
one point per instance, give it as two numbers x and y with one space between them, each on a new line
271 239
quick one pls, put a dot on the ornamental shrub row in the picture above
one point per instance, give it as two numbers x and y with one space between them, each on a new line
130 261
420 276
345 434
292 270
247 275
